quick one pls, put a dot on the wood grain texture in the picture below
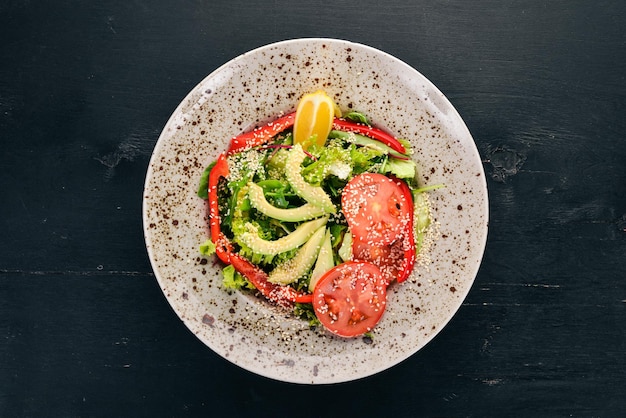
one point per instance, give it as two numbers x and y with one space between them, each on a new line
85 90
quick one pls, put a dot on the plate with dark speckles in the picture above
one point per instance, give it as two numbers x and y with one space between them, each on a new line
255 88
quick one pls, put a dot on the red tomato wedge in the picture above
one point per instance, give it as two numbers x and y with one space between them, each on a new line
350 299
376 209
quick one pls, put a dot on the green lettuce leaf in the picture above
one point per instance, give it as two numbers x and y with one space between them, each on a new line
232 279
404 169
207 248
203 185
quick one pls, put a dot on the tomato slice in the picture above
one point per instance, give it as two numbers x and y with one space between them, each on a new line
350 299
379 211
376 209
408 260
390 259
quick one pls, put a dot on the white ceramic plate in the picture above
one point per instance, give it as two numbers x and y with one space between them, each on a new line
254 88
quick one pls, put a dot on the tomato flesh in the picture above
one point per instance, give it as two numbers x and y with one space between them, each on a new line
379 212
376 209
350 299
409 242
388 258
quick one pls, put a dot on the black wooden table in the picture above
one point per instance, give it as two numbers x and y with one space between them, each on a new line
86 87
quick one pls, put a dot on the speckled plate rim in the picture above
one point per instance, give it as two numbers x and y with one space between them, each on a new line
326 359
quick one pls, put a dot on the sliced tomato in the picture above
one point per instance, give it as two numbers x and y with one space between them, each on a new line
408 260
376 209
350 299
388 258
379 211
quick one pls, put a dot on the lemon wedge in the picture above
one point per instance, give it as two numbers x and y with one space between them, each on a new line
314 119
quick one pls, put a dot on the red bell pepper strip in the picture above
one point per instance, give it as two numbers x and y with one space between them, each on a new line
220 169
281 295
261 135
223 249
370 131
409 245
303 297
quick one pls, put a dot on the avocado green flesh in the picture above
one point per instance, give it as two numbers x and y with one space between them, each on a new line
324 261
302 213
365 141
292 269
312 194
345 251
298 237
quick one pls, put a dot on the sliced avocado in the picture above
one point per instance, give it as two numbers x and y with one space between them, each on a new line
421 217
292 269
324 261
298 237
302 213
345 251
312 194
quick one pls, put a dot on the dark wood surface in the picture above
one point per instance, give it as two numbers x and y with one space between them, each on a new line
86 87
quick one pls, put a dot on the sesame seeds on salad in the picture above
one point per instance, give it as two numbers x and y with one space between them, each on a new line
355 193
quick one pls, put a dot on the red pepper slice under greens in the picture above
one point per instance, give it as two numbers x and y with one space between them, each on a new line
370 131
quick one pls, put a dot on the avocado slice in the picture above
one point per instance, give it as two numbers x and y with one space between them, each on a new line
312 194
298 237
302 213
365 141
345 251
292 269
324 261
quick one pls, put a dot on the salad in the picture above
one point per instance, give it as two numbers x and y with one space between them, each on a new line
319 212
